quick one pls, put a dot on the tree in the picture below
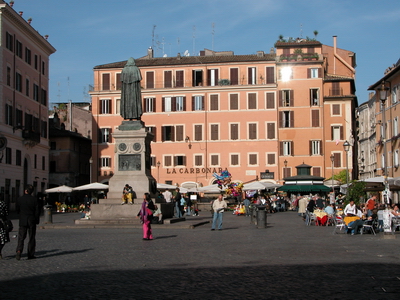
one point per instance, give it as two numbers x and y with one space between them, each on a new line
356 192
341 176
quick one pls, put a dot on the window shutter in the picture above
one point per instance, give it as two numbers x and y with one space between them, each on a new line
337 162
214 102
173 103
332 133
193 103
214 132
184 160
291 119
163 133
280 98
150 80
198 132
100 106
270 131
320 148
252 131
216 76
319 72
153 100
234 105
271 158
154 132
214 160
310 147
234 131
234 76
280 148
252 99
270 75
315 118
270 100
167 79
202 103
281 119
172 134
106 82
208 77
179 79
317 171
118 83
179 132
341 133
291 99
308 73
163 104
292 148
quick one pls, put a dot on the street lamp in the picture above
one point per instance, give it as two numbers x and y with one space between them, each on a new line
383 93
158 171
90 169
332 157
346 147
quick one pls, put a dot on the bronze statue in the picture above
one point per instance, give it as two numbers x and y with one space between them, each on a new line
131 96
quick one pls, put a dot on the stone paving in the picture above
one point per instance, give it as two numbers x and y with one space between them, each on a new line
287 260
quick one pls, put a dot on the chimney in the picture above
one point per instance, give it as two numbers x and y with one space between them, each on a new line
334 43
178 57
21 13
150 52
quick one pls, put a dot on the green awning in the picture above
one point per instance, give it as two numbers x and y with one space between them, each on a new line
295 188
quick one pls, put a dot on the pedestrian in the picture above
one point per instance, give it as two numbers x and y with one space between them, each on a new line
246 203
146 215
86 202
177 200
29 216
4 230
218 207
188 205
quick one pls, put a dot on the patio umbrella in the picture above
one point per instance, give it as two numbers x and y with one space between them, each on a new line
91 186
164 186
59 189
210 189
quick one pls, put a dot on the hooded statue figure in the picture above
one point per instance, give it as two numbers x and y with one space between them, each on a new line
131 95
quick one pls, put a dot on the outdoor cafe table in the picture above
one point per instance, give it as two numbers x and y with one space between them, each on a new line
322 217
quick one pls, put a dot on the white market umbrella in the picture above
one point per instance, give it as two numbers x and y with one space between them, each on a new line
260 185
164 186
59 189
91 186
210 189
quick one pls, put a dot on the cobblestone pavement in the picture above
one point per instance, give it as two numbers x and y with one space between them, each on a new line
287 260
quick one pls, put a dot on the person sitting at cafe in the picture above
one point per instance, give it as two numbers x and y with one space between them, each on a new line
330 209
350 209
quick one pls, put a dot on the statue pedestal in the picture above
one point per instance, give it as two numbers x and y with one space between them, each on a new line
132 166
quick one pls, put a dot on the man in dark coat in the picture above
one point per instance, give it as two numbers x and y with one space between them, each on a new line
29 216
177 200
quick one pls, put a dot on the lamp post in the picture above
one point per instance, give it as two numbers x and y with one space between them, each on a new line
284 172
158 171
383 92
90 169
346 147
332 157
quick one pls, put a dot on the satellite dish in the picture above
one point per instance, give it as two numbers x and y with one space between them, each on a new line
165 55
186 53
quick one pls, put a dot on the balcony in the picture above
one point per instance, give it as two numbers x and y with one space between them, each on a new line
31 136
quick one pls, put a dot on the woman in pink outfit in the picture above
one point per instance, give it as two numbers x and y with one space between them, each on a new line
146 215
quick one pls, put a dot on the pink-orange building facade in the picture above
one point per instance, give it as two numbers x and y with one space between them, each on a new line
257 115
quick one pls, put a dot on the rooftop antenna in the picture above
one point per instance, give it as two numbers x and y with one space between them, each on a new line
194 40
213 32
59 92
301 30
179 45
152 35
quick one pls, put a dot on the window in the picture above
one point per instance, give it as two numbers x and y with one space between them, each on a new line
253 159
167 104
18 82
153 130
43 67
215 160
53 145
270 131
27 84
179 133
52 166
119 82
179 160
44 97
105 106
9 41
286 119
105 162
234 76
106 82
105 135
336 109
286 148
234 159
198 160
337 132
233 101
313 73
286 98
214 132
252 101
214 102
43 163
149 80
35 92
252 75
315 148
36 62
118 106
286 74
316 171
180 103
149 104
314 97
271 158
395 126
270 101
153 160
8 76
337 161
234 131
252 131
8 156
197 77
198 103
167 161
28 56
167 79
43 129
335 91
395 91
270 71
179 79
18 157
315 118
9 115
212 77
18 117
168 133
18 49
287 172
396 158
198 132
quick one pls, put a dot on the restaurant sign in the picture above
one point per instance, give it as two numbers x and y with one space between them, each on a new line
267 175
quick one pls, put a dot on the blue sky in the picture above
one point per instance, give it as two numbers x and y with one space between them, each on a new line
87 33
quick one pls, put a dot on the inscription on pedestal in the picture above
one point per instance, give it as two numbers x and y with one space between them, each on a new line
129 162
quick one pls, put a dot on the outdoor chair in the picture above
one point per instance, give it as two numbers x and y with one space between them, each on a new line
311 218
369 227
339 224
